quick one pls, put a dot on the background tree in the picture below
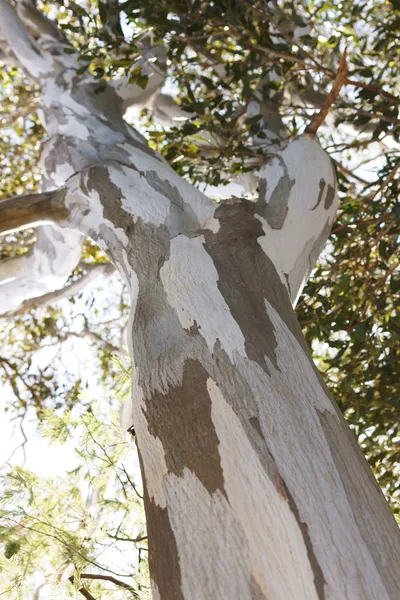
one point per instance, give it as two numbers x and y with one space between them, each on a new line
222 60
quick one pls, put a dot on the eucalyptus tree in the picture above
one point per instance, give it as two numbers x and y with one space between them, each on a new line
253 484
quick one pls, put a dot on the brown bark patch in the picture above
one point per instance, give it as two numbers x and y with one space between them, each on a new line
163 553
276 209
193 329
111 197
280 486
181 419
164 561
319 580
247 277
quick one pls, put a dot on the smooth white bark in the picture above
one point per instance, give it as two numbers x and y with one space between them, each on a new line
46 269
21 266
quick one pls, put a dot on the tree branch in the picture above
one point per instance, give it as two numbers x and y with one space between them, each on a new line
22 212
106 578
82 590
140 538
94 337
17 43
93 271
320 117
10 267
35 274
37 23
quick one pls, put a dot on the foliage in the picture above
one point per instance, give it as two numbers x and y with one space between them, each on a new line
88 523
35 344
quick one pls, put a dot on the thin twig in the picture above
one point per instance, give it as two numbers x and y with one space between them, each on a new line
365 222
106 578
350 173
82 590
22 444
386 182
131 482
136 540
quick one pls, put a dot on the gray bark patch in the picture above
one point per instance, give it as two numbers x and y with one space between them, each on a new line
182 420
376 524
330 196
182 217
110 196
164 187
321 193
238 394
276 209
262 192
158 339
255 423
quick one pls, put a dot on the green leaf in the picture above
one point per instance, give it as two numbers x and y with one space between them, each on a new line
12 547
360 332
78 9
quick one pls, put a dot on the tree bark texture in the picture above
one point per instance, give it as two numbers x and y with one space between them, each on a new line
254 485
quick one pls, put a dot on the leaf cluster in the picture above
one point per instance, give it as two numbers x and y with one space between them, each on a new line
50 533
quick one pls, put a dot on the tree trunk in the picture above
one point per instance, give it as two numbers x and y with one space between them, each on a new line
254 485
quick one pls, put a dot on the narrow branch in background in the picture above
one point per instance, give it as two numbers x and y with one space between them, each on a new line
92 272
37 23
136 540
22 444
17 43
106 578
82 590
131 482
320 117
365 222
22 212
94 337
349 172
386 181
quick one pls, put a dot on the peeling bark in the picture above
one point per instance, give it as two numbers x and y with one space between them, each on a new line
253 487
